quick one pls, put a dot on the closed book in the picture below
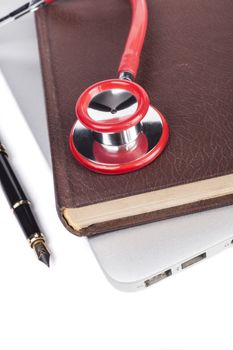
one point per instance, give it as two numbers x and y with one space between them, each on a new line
186 68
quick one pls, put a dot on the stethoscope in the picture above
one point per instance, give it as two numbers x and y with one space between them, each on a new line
117 130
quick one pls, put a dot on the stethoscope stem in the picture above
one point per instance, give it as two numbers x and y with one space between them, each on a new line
118 139
126 76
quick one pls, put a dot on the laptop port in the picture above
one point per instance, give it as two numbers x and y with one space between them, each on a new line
193 260
157 278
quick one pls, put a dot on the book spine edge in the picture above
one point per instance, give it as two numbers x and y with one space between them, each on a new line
146 218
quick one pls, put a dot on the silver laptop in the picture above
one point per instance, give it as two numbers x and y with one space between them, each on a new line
138 257
135 258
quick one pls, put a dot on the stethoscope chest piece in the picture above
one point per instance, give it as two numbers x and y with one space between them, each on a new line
117 130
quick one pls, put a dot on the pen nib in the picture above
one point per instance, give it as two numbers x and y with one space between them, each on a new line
42 253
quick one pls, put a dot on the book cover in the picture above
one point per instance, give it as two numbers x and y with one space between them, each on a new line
186 68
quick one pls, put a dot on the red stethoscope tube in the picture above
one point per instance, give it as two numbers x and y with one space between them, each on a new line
131 55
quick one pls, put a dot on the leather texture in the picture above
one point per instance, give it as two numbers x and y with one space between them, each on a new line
186 67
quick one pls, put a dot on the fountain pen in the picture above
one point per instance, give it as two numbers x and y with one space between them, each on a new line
21 207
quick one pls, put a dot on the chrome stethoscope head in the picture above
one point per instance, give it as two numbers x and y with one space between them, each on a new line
117 130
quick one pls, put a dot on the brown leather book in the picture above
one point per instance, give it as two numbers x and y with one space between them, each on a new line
186 67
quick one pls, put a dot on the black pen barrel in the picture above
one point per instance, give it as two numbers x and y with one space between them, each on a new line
26 220
17 198
11 186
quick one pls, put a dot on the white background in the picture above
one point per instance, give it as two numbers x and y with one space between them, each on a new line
71 305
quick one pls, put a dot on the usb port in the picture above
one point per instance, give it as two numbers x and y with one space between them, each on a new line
193 260
158 278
